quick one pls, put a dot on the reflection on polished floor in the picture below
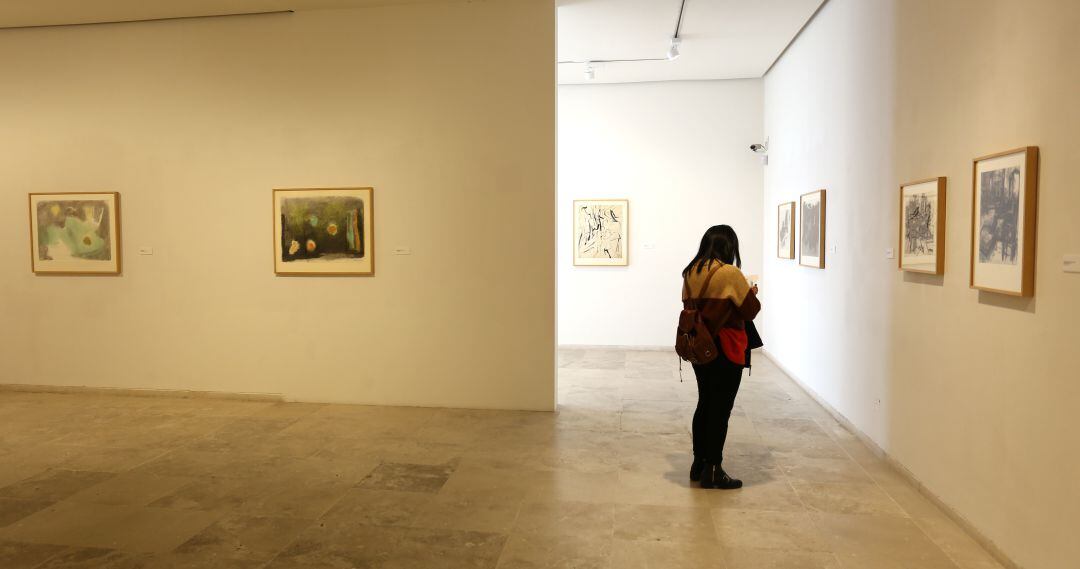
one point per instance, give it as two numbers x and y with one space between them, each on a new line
127 482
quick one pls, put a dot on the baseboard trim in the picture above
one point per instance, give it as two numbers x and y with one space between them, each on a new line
989 545
630 348
137 392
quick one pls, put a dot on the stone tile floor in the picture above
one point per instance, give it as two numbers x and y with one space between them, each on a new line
125 482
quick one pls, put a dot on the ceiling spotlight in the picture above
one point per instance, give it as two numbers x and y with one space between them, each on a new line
673 50
589 72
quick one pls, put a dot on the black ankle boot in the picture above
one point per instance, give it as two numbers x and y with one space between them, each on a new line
715 477
696 469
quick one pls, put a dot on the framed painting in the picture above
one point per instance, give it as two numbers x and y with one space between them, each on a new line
601 232
324 232
75 233
1004 203
785 230
922 226
812 229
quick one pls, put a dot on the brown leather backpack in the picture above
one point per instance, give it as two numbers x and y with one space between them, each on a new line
693 341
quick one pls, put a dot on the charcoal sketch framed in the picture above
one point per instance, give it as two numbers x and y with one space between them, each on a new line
1004 205
75 233
812 229
785 230
601 232
324 232
922 226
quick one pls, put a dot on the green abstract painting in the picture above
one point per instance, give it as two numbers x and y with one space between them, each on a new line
73 230
74 233
323 231
323 227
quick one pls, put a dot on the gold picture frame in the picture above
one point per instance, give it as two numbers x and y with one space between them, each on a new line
601 233
812 229
324 232
922 226
75 234
1004 221
785 230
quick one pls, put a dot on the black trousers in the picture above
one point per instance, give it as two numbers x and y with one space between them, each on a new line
718 384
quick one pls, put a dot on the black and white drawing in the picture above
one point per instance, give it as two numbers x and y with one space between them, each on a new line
785 225
999 216
1005 196
920 225
600 232
811 227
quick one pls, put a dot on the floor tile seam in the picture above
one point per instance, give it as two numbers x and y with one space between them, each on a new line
791 486
555 535
815 511
284 549
915 490
325 510
517 516
270 557
213 433
904 513
729 551
810 512
56 440
308 527
944 551
874 480
795 549
870 483
754 424
502 552
862 468
147 461
815 515
65 549
830 422
20 481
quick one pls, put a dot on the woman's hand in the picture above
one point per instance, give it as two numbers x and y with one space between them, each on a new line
754 288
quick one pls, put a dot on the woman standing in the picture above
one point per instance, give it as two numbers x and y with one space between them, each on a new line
727 301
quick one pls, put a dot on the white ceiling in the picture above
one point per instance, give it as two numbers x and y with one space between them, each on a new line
20 13
721 39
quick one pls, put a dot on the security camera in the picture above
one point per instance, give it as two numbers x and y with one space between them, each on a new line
761 150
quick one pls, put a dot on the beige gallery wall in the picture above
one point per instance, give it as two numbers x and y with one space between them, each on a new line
976 394
447 110
985 388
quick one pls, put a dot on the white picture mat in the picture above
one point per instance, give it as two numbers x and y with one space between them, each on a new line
921 262
624 233
316 266
1008 278
77 265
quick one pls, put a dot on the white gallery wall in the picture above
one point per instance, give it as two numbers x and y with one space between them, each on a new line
447 109
972 392
679 151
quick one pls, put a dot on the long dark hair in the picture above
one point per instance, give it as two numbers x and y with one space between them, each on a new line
720 243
